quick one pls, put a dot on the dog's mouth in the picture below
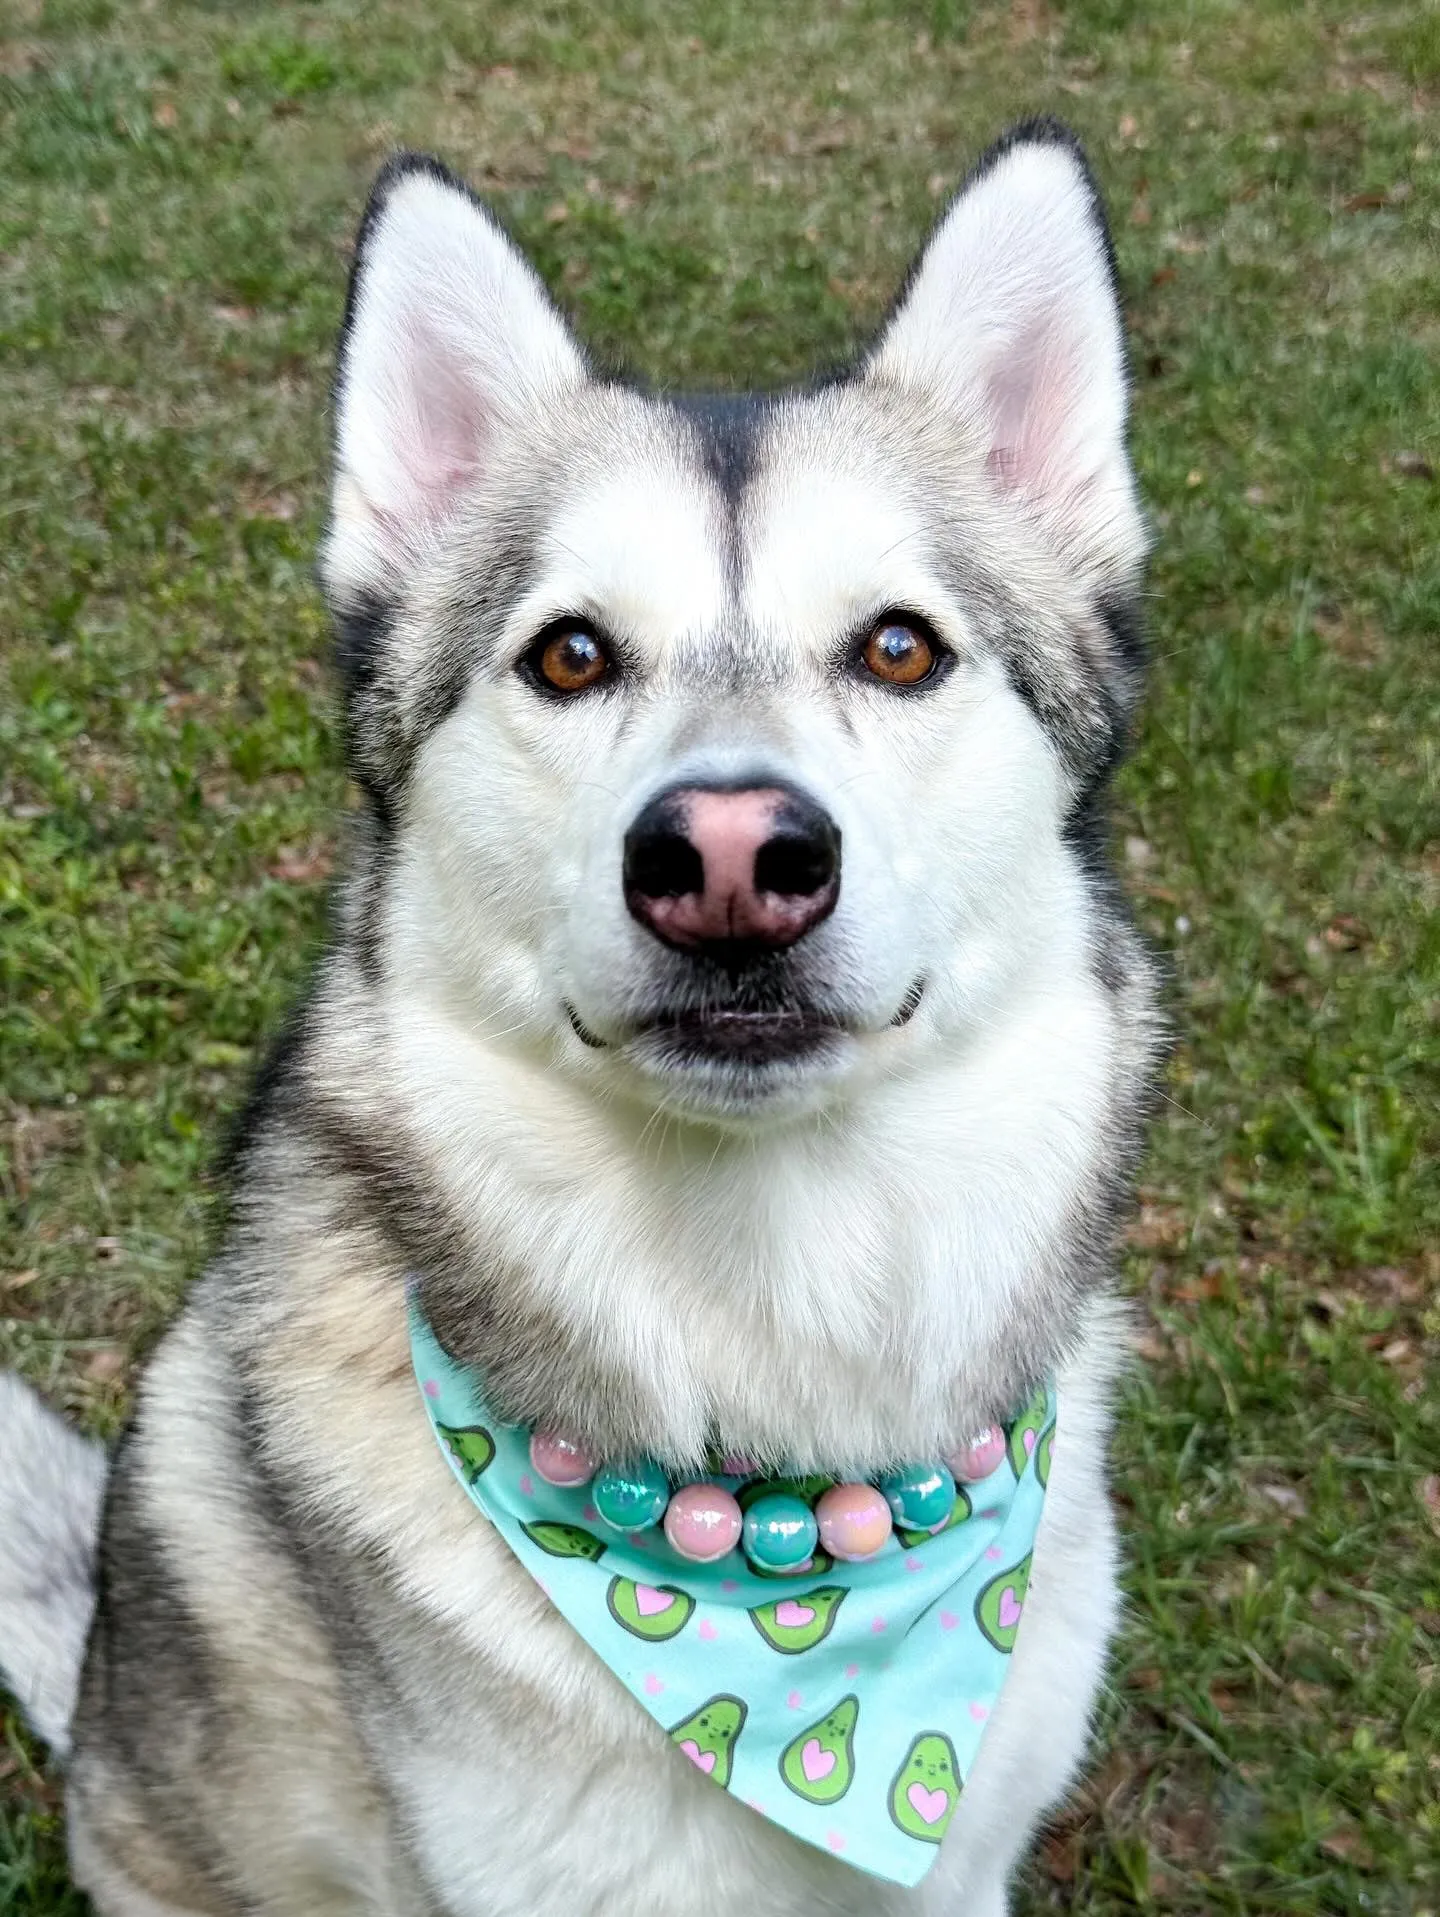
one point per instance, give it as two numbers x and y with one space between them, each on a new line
739 1034
727 1035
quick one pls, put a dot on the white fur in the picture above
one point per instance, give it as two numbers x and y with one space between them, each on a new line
50 1485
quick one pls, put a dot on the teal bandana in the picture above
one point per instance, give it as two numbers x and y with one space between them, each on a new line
847 1703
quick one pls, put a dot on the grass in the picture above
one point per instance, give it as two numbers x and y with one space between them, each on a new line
727 193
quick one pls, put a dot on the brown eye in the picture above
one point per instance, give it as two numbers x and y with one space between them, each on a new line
899 654
569 659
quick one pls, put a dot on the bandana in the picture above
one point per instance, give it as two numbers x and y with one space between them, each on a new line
844 1703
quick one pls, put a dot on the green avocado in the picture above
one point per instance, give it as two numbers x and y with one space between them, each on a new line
1042 1455
926 1788
806 1489
708 1737
819 1764
1023 1433
471 1446
794 1624
959 1511
652 1611
565 1540
998 1607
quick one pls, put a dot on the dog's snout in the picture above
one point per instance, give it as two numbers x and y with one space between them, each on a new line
708 867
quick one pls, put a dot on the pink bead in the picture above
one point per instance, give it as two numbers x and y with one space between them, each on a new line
561 1460
979 1457
854 1521
702 1522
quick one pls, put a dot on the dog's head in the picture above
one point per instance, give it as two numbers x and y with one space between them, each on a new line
727 752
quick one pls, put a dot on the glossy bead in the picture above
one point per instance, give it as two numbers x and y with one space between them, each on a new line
702 1522
560 1460
920 1496
854 1521
780 1532
631 1496
978 1458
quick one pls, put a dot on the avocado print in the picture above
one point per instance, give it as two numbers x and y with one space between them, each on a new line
819 1764
708 1737
794 1624
654 1612
565 1540
1024 1433
959 1512
471 1446
998 1607
926 1788
1042 1456
806 1489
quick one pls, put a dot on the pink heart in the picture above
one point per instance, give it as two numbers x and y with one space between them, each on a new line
1029 1442
432 1390
836 1840
993 1551
852 1670
948 1620
702 1760
727 1585
794 1700
929 1805
816 1763
793 1615
707 1630
979 1712
653 1684
914 1564
649 1602
527 1485
1009 1608
877 1624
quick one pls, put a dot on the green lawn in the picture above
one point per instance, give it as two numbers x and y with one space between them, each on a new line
725 193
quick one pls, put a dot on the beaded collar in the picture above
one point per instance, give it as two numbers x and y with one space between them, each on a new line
843 1697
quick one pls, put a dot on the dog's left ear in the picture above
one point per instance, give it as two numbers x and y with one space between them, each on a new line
1011 322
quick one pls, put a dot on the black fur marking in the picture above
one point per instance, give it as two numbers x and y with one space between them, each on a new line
728 427
1124 620
145 1643
270 1088
362 627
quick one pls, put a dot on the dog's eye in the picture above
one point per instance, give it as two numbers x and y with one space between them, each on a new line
569 658
899 653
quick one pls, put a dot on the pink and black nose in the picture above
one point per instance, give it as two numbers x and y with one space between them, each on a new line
719 870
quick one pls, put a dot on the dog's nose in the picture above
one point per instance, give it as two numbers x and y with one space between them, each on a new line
717 869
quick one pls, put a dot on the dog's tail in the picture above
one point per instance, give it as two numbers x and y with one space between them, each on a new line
51 1483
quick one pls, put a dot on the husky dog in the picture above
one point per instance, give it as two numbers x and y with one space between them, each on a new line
730 1025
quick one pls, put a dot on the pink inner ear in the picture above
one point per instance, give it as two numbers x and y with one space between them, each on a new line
1036 388
439 419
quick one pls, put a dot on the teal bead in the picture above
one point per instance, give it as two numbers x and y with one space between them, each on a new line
920 1495
631 1496
780 1532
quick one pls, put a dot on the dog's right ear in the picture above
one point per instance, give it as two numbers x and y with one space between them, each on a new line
448 337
